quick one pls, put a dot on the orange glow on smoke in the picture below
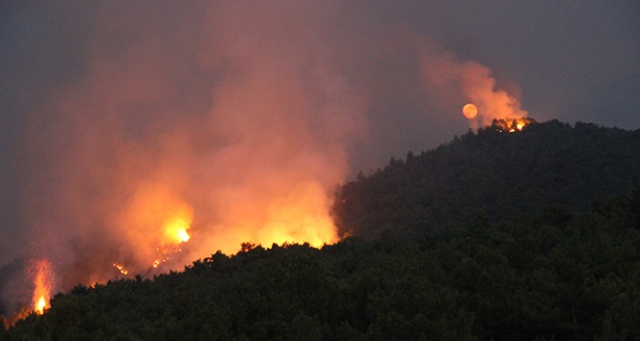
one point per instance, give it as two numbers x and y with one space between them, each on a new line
299 216
175 233
43 279
451 79
157 221
470 111
294 224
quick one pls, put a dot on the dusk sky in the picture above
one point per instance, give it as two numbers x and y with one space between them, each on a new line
242 117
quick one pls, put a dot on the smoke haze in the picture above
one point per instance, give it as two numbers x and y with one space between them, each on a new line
449 81
242 118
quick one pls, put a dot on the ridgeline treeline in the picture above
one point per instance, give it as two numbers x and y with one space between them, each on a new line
499 175
546 245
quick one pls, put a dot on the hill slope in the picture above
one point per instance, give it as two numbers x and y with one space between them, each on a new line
553 274
492 173
536 257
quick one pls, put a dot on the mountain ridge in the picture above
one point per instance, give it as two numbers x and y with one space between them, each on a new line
495 173
552 270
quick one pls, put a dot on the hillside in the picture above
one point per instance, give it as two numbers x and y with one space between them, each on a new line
553 274
495 174
524 236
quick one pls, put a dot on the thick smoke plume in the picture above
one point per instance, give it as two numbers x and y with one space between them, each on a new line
234 120
236 125
454 81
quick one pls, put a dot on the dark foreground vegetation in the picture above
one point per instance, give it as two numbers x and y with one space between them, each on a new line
556 268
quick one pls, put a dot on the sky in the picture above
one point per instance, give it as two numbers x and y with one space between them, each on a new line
240 119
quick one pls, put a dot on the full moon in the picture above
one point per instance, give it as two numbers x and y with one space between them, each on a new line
470 111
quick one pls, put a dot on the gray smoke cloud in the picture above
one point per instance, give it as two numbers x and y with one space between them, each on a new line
243 117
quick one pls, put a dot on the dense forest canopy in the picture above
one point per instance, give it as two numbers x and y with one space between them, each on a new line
493 173
523 236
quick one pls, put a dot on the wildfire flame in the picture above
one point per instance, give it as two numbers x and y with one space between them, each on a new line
176 229
43 279
298 217
511 125
121 268
175 234
41 305
158 220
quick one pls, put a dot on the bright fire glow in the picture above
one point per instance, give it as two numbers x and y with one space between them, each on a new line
176 229
158 222
41 305
299 216
183 236
175 233
511 125
43 279
121 268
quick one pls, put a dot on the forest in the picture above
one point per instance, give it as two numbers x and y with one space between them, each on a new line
500 175
532 235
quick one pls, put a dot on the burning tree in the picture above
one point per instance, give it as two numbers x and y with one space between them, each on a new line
511 125
43 284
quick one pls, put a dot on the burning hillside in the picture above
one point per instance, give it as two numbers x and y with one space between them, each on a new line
43 283
205 132
511 125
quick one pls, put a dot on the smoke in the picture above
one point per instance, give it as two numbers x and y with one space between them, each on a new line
237 118
9 293
458 82
237 121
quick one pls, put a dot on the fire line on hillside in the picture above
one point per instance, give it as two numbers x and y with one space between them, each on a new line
511 125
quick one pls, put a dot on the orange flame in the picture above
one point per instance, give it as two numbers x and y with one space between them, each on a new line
158 222
299 216
511 125
176 229
41 305
175 233
121 268
43 285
